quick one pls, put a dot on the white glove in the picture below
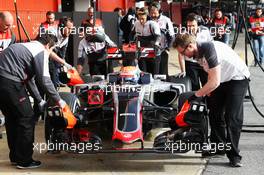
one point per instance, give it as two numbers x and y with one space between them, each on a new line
42 105
181 75
2 121
62 103
68 66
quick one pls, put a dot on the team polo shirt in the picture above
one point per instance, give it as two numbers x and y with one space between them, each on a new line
6 39
212 54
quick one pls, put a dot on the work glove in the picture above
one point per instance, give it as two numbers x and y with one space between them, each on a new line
42 105
181 75
172 123
62 103
68 66
2 121
194 98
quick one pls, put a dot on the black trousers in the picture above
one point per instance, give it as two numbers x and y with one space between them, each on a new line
196 73
163 69
98 64
19 116
226 114
98 68
150 65
54 74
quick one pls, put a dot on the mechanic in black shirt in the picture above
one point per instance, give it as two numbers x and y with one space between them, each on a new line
226 87
19 64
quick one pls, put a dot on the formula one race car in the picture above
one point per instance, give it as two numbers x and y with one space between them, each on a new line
117 114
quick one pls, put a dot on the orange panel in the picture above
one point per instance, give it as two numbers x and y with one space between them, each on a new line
31 5
131 3
110 5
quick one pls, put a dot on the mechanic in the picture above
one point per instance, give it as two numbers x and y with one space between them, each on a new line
189 66
61 30
7 37
228 79
89 21
257 33
222 27
127 23
93 47
64 30
119 12
19 64
147 33
52 27
167 35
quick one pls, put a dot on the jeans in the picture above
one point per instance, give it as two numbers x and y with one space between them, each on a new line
226 38
258 48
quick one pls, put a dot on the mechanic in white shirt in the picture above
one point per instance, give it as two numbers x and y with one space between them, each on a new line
93 47
228 80
189 66
147 33
167 35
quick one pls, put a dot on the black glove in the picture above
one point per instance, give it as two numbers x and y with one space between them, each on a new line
172 123
193 98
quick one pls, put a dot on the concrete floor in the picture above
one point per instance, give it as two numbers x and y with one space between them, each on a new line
189 164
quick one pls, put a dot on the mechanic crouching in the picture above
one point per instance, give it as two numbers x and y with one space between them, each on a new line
228 79
19 64
147 33
93 47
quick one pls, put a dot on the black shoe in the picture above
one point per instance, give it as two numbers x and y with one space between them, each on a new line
32 164
62 85
235 163
208 154
13 163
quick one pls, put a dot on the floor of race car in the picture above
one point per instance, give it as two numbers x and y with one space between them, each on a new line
105 163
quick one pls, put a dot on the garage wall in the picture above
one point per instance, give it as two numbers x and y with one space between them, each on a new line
81 5
31 12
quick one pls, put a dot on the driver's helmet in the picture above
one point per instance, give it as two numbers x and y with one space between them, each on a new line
130 74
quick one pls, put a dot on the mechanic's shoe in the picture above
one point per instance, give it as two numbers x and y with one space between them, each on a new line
62 85
13 163
32 164
208 154
235 163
